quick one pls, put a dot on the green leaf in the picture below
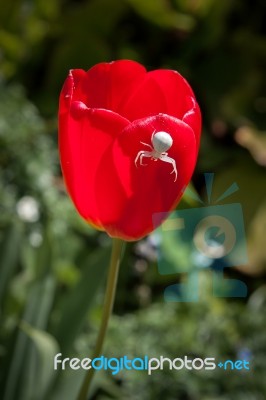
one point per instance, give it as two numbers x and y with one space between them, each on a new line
47 347
160 13
9 252
22 371
78 302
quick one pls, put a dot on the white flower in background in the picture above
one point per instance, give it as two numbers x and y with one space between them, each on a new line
35 239
45 180
28 209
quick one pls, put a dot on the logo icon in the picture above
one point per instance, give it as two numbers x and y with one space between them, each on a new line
211 236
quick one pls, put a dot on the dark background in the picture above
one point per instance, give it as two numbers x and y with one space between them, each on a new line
52 264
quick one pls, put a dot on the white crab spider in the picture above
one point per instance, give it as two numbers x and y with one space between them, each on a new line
161 141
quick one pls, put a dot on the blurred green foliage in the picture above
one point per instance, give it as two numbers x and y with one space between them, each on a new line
52 264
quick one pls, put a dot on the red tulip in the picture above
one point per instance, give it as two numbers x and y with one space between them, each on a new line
113 119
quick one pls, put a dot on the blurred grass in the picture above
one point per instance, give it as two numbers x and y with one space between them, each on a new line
52 265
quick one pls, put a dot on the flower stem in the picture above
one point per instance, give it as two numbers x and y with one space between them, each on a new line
117 247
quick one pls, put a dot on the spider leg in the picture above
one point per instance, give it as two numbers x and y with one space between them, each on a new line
146 144
140 156
145 154
170 160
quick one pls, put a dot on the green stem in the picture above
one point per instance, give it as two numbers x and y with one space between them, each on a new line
117 247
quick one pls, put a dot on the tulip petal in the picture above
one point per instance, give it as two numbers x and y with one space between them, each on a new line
107 85
162 91
175 89
84 136
193 117
147 189
146 100
99 145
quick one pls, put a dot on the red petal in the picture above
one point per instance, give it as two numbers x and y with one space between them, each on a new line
146 100
107 85
151 189
193 117
84 136
98 147
162 91
126 88
175 89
